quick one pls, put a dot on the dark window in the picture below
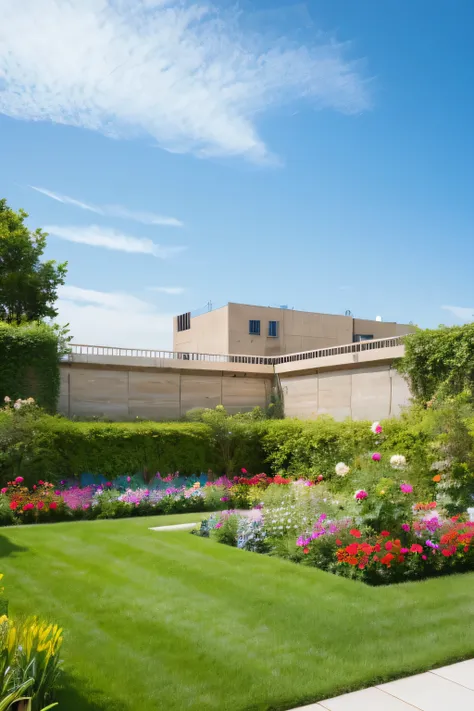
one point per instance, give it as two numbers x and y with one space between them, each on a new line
273 329
358 337
184 322
254 327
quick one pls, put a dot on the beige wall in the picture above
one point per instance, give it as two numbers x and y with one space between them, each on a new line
371 393
126 393
226 330
209 333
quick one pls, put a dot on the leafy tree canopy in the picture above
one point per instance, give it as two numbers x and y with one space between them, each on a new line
439 362
28 285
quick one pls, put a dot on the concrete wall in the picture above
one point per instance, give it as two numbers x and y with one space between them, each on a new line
209 333
371 393
226 330
124 393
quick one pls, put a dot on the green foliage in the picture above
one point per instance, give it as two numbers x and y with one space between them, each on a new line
439 361
28 285
311 447
29 363
227 531
54 448
235 439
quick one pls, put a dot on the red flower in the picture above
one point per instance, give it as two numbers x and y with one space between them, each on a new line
338 541
352 549
41 482
305 550
388 546
387 559
416 548
40 505
244 471
13 505
28 507
53 505
354 532
377 547
454 518
466 549
385 534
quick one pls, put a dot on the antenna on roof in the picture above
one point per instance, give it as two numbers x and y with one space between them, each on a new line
348 313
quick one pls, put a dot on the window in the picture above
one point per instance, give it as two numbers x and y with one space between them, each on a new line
254 327
273 329
358 337
184 322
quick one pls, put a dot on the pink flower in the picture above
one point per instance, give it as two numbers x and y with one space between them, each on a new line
19 480
57 492
424 557
405 527
4 490
376 457
406 488
28 507
404 551
39 505
109 483
129 479
244 471
361 495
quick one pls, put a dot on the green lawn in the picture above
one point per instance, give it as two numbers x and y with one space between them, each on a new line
169 621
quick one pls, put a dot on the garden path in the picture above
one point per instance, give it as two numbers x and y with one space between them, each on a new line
450 687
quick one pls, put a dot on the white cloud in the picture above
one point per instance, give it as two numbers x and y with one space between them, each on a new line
147 218
111 239
185 74
113 319
463 313
171 290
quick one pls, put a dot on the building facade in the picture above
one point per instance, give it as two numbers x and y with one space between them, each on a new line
266 331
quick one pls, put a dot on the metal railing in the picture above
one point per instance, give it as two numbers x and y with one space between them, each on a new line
112 352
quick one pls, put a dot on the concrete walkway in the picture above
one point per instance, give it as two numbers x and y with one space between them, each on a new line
446 689
176 527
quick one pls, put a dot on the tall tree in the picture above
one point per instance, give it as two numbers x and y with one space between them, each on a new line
28 285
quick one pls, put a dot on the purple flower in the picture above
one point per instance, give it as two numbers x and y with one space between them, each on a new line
225 498
406 488
376 457
430 544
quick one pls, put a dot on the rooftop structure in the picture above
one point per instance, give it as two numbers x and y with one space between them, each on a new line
269 331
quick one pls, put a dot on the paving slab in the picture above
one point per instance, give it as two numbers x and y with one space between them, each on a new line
430 692
176 527
449 688
462 673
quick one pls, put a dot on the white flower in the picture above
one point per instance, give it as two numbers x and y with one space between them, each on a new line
17 405
342 469
441 466
7 399
398 461
376 427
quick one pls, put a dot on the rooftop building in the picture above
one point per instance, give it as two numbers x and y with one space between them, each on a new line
268 331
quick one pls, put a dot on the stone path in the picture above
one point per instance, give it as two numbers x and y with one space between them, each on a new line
176 527
447 689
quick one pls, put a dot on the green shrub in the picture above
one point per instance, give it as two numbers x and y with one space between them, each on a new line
39 446
29 363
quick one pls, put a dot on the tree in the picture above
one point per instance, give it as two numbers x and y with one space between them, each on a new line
28 286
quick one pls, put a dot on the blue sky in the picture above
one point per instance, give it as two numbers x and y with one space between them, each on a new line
316 154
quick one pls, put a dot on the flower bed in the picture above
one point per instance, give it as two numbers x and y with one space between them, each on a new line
378 532
43 502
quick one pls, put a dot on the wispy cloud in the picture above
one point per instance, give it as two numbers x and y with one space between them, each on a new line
113 318
111 239
172 290
463 313
186 74
147 218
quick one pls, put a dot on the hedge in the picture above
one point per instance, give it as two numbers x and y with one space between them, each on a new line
55 448
29 363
